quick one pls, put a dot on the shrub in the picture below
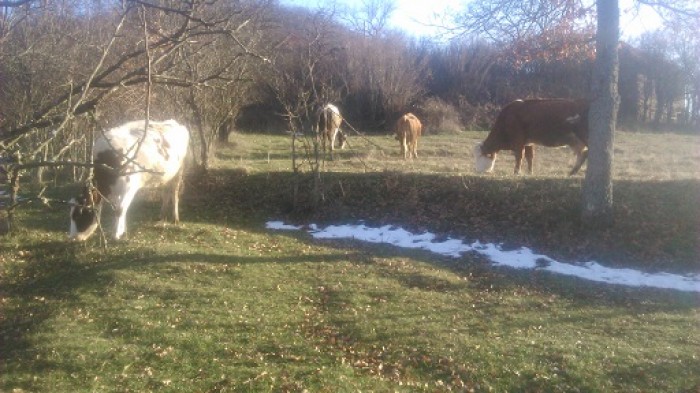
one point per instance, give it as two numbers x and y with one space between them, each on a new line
480 117
439 117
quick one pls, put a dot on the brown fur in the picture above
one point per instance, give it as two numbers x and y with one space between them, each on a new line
408 131
547 122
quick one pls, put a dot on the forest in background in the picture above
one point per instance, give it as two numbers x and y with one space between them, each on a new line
71 66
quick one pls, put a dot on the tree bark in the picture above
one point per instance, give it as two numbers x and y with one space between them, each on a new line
597 195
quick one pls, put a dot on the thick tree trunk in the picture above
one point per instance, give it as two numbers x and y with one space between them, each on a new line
597 192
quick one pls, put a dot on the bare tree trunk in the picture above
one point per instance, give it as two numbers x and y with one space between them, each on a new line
199 125
597 195
39 179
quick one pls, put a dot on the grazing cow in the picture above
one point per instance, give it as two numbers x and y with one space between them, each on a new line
408 131
127 159
524 123
328 126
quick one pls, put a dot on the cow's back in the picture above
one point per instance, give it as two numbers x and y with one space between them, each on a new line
329 118
159 154
409 126
543 121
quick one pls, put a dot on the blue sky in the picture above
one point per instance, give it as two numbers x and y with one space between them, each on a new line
416 16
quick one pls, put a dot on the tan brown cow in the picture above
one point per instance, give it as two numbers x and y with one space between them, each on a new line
524 123
408 131
328 124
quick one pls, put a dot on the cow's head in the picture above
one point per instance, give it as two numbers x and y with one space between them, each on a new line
341 139
83 214
484 162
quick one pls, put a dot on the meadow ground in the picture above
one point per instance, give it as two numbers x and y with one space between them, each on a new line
219 303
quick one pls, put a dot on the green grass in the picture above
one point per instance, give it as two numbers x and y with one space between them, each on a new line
220 304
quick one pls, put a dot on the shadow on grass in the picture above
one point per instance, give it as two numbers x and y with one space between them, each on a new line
652 219
56 272
655 222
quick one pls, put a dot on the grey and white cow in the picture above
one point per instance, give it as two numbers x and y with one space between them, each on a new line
128 158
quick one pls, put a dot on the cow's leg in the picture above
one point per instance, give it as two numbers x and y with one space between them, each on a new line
166 196
529 155
414 148
170 198
342 138
581 151
333 134
404 148
121 208
176 196
518 159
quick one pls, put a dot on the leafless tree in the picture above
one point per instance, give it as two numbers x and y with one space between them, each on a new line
549 24
69 59
385 77
371 17
303 76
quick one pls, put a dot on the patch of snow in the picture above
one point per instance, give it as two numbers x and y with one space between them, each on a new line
522 258
281 226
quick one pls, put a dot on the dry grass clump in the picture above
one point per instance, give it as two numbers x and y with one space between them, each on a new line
439 117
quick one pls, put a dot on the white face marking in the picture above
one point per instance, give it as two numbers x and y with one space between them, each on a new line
74 234
81 236
483 163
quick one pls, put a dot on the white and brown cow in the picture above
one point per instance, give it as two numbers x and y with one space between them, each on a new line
126 159
328 129
408 131
524 123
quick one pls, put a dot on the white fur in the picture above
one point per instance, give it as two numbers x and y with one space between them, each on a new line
74 234
332 134
332 108
150 167
483 163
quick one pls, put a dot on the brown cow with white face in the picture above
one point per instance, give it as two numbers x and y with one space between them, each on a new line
328 129
524 123
408 131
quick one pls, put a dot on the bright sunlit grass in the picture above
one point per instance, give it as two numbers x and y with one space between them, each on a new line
219 303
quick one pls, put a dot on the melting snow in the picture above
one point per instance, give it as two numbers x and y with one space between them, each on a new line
522 258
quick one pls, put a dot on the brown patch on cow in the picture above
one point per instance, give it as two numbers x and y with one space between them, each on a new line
161 143
163 148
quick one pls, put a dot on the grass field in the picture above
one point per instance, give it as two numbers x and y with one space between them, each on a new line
220 304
